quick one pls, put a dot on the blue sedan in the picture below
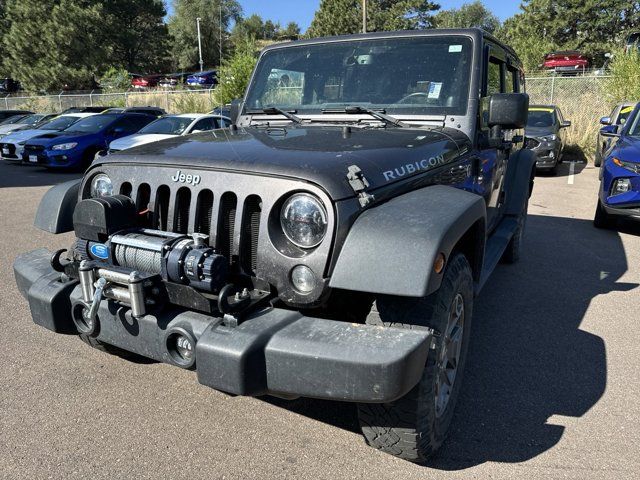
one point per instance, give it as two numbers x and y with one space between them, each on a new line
76 146
619 194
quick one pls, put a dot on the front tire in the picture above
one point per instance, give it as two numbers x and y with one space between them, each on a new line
415 426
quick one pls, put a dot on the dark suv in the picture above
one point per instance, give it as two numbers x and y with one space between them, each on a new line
330 244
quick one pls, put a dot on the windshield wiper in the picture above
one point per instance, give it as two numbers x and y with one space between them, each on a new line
278 111
380 115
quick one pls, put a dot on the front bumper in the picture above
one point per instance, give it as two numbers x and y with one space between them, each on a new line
273 351
46 158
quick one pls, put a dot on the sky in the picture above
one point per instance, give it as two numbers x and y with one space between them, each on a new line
301 11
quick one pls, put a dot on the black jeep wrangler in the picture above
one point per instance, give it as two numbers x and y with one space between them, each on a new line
330 244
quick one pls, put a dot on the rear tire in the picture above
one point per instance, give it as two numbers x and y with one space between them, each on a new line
597 160
602 219
415 426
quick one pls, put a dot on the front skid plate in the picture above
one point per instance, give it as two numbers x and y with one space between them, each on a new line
272 351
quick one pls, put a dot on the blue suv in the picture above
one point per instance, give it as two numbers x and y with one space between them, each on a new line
619 194
76 146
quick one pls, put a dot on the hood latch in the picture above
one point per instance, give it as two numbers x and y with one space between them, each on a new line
359 184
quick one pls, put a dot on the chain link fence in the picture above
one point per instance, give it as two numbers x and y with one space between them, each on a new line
581 98
173 101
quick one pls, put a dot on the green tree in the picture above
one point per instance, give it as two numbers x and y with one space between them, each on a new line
624 81
585 25
235 73
469 15
250 27
136 34
182 27
292 31
52 44
339 17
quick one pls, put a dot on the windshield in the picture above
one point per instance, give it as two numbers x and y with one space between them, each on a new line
31 119
168 126
541 118
419 76
13 120
92 124
59 123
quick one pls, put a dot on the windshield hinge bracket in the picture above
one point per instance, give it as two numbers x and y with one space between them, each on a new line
359 184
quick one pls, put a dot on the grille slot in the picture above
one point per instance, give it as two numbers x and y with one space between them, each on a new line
125 189
162 208
183 202
204 211
227 223
143 197
249 234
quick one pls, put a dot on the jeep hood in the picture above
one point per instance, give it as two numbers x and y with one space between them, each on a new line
317 154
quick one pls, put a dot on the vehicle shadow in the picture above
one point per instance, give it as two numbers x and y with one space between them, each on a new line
529 361
17 175
564 169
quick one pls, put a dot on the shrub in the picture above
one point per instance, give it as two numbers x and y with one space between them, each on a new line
624 83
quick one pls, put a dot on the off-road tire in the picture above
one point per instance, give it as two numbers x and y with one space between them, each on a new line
514 248
597 159
602 219
410 428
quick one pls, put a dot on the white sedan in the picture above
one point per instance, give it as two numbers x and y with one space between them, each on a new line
12 145
171 126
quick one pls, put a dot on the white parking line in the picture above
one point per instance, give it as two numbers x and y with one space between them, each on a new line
572 169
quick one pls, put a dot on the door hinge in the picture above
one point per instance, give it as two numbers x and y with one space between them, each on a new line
359 184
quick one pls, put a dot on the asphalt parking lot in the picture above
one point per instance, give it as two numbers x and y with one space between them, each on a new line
552 387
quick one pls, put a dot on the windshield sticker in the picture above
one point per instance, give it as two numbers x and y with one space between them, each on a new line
434 90
455 48
626 110
540 109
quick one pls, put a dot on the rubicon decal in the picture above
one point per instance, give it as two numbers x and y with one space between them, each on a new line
409 168
180 177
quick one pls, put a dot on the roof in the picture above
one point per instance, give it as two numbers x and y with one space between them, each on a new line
431 32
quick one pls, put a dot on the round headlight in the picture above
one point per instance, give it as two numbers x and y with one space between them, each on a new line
304 220
101 186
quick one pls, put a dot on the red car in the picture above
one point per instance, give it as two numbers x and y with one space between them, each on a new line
567 63
148 81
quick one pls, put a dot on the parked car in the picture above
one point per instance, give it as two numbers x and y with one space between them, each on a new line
615 120
6 114
545 135
224 111
9 85
203 79
632 42
566 62
24 123
146 81
171 126
156 111
619 192
338 260
91 109
77 145
12 146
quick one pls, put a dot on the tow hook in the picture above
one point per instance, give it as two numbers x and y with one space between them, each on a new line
85 314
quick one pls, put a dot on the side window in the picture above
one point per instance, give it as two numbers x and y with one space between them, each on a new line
138 122
223 122
511 80
494 79
124 124
204 125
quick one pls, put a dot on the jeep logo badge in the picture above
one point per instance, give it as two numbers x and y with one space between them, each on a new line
180 177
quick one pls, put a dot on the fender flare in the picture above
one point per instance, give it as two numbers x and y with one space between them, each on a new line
391 248
55 212
519 182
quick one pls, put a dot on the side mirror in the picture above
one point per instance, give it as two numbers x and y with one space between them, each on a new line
508 110
609 131
565 124
605 121
197 131
236 107
117 131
